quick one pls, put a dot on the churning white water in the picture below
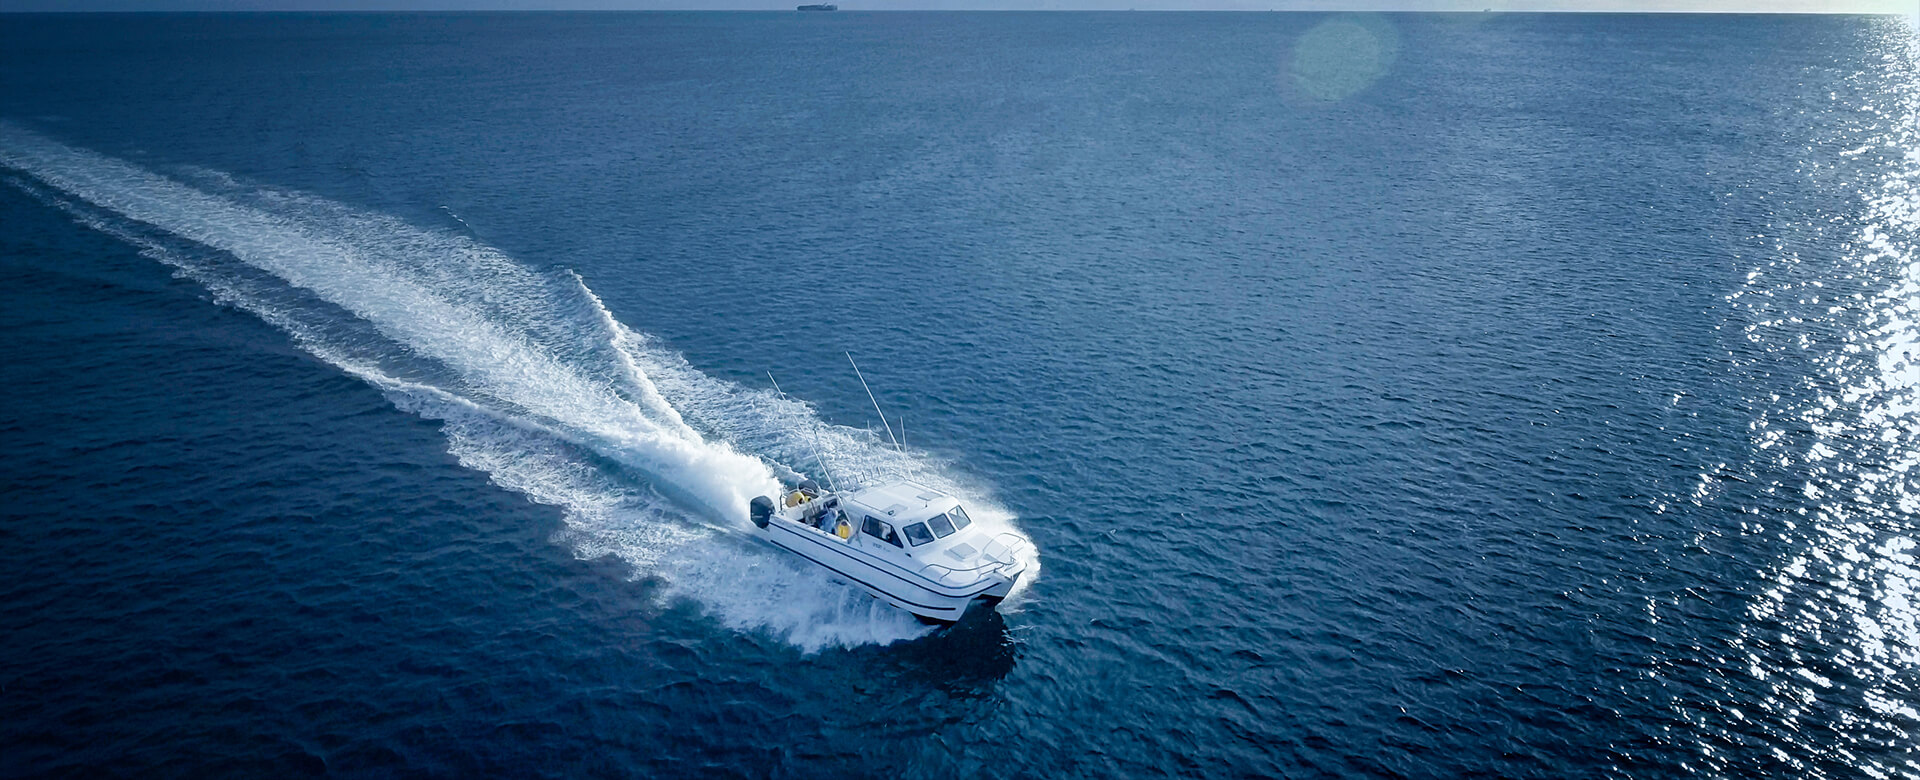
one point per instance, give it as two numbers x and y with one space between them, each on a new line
534 381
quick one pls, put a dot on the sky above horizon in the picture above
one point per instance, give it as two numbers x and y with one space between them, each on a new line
1902 7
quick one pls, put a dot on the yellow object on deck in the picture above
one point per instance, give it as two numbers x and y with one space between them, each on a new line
796 498
844 530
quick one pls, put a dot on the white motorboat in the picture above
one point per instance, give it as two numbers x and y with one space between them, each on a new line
909 545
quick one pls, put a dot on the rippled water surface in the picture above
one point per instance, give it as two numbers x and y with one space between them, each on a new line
1403 395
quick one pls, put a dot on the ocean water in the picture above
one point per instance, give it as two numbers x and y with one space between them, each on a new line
1385 395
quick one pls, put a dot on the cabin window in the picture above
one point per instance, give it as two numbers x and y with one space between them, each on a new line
942 527
875 528
917 534
960 519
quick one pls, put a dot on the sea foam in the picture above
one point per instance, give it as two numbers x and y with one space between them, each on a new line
533 379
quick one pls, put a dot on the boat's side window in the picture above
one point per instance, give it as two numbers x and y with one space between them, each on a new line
942 527
960 519
879 530
917 534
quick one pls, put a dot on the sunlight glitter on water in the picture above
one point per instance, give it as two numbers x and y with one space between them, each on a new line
1835 636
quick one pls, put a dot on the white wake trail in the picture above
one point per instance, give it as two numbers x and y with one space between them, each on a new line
534 381
367 281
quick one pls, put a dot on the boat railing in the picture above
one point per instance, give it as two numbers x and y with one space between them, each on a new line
993 561
1019 543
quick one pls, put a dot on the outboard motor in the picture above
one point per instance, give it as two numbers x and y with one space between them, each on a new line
760 511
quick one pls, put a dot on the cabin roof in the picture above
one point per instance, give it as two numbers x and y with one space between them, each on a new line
903 502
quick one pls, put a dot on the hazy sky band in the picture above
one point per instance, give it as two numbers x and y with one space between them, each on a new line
1901 7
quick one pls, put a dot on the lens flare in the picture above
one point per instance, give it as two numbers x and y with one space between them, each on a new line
1340 57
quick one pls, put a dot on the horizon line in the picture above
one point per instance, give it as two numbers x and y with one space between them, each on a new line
788 9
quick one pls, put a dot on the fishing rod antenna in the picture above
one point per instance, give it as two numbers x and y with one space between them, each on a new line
814 428
876 404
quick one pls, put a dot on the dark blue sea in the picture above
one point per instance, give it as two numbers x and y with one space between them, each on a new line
1471 395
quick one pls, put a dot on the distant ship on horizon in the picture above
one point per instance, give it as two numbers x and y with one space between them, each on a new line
820 7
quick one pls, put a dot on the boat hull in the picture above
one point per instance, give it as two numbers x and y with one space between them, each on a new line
927 600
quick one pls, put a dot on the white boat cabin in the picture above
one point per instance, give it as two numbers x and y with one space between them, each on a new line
907 543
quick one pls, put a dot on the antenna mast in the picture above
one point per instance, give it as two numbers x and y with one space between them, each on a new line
825 470
876 404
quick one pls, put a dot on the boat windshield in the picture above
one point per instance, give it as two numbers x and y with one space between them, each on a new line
917 534
960 518
942 527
